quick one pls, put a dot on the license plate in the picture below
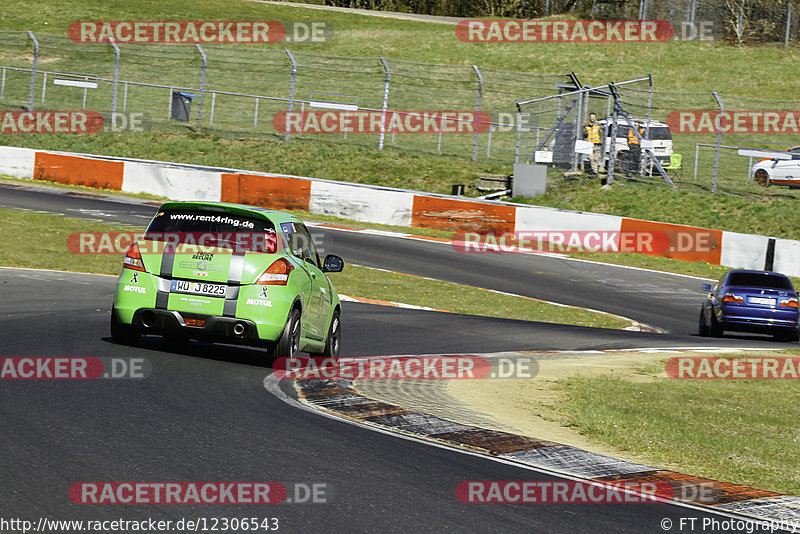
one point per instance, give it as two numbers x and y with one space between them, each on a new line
199 288
762 300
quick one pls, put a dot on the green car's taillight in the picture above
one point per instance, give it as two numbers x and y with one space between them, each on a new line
276 274
133 259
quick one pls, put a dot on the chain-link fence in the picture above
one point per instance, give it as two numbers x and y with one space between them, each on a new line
706 141
236 91
239 90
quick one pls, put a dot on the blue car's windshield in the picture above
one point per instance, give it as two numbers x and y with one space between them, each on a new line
760 280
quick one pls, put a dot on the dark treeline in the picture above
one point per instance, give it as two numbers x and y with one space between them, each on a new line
761 20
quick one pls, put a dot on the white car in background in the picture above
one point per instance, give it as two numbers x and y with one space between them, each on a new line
659 134
771 171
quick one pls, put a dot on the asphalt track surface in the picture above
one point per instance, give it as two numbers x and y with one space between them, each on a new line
204 415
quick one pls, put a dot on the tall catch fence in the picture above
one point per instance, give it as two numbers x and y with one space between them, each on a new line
238 90
704 140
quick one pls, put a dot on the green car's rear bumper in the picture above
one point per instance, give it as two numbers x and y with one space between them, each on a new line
150 307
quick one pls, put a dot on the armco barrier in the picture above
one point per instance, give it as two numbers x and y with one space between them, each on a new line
373 204
172 182
75 170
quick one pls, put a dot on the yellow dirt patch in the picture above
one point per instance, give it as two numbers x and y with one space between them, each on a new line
527 406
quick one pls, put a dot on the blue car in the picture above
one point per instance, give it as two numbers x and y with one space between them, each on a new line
751 301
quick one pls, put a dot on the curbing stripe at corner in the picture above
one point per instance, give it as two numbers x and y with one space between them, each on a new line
340 398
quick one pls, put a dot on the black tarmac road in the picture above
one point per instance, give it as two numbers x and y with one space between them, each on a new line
203 413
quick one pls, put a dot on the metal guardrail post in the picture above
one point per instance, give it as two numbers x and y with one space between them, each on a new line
33 68
696 157
116 75
477 112
291 85
718 126
386 75
202 84
788 25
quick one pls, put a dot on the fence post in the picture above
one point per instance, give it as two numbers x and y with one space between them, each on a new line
739 30
291 86
386 74
585 108
477 112
33 68
612 152
696 158
718 128
202 84
519 135
578 114
649 118
116 74
788 25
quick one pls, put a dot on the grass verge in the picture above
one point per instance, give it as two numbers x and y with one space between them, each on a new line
29 239
740 431
642 261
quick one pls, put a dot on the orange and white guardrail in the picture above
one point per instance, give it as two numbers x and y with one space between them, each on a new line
374 204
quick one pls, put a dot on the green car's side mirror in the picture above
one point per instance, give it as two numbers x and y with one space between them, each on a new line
332 264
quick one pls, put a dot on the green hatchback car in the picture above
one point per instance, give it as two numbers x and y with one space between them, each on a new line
229 273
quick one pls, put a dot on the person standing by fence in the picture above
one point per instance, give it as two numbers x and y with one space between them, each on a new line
635 149
591 132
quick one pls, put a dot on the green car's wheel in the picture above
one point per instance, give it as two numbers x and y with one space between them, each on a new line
123 334
288 345
331 349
